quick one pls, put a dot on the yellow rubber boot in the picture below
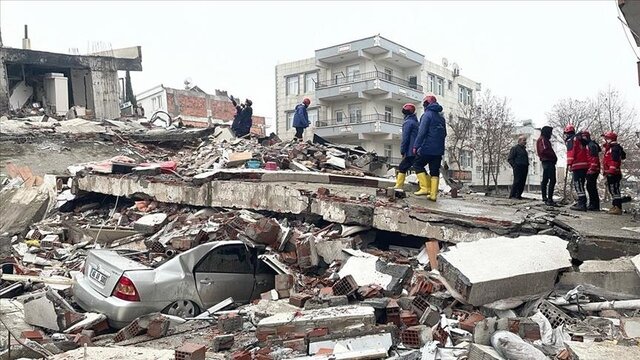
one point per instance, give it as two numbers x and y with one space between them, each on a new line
434 188
400 180
423 182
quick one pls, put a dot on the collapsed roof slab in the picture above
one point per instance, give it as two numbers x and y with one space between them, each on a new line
448 220
93 62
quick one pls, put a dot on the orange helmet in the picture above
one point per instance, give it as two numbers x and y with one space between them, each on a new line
409 107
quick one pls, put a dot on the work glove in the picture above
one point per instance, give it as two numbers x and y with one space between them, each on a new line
415 151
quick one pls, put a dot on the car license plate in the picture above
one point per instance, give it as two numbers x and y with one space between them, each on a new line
98 276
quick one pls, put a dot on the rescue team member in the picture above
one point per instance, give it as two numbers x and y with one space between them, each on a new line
409 134
429 147
593 155
236 117
611 168
519 161
548 159
245 120
578 162
301 118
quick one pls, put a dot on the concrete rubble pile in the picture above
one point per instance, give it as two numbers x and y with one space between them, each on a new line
473 286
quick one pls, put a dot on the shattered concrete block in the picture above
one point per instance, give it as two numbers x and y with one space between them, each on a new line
299 299
483 352
631 327
150 224
430 317
615 276
132 330
298 345
368 269
528 265
415 337
158 327
334 319
382 341
49 241
190 351
265 231
331 250
222 342
345 286
284 284
306 253
419 304
229 323
326 302
41 311
183 243
601 350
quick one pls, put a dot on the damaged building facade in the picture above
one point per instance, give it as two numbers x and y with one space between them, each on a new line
194 106
57 82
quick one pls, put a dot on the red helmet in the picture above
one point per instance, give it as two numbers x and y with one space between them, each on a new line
586 133
306 101
610 135
429 98
409 107
569 128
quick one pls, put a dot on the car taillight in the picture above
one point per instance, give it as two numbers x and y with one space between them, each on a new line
125 290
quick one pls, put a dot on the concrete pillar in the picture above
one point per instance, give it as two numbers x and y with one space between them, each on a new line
4 87
105 94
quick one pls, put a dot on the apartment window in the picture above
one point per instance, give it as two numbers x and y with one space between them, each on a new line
439 86
289 119
156 102
339 116
449 85
388 74
431 83
293 87
388 113
413 82
388 151
465 95
353 72
310 80
355 113
313 116
466 158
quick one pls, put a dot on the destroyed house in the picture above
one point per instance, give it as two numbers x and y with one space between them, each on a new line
194 106
57 82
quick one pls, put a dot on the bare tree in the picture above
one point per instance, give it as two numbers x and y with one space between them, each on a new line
460 129
493 135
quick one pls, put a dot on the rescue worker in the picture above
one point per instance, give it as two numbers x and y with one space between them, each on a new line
578 162
611 168
593 156
409 134
519 161
301 118
238 107
548 159
245 120
429 147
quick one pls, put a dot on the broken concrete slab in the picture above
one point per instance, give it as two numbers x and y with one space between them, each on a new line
21 207
601 237
330 250
382 342
483 352
13 317
150 224
631 327
40 311
617 276
116 353
601 350
334 319
528 265
368 269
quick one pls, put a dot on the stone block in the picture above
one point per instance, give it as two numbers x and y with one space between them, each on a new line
158 327
229 323
615 276
222 342
150 224
528 265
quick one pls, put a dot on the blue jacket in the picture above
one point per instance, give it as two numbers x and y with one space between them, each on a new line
433 131
245 121
409 134
301 118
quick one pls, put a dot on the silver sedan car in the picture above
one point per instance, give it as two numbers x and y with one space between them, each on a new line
185 285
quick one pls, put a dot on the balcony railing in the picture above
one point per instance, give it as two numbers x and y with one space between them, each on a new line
342 80
360 119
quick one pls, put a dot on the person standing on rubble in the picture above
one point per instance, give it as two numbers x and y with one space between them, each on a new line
593 155
519 161
409 134
429 147
548 159
245 120
578 162
611 168
236 117
301 118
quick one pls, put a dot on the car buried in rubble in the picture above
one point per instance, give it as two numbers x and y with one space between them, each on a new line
185 285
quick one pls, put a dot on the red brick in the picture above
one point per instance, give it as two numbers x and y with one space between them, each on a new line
408 318
129 331
158 327
318 332
393 312
419 304
190 351
469 323
72 317
326 291
35 335
88 333
241 355
299 299
82 340
229 323
415 336
299 345
284 282
345 286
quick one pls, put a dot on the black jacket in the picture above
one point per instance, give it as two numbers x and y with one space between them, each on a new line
518 156
244 120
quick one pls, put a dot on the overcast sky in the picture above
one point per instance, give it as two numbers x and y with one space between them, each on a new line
532 52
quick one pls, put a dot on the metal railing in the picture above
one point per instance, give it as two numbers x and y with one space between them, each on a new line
372 75
360 119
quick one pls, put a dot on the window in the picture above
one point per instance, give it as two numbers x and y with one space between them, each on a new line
465 95
388 151
355 113
466 159
439 86
431 84
313 116
449 85
339 116
413 82
293 87
310 81
338 79
388 74
353 72
156 102
289 119
233 259
388 113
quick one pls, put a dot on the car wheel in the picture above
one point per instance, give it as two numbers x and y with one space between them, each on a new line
182 308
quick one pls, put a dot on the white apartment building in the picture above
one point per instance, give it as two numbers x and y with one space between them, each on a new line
357 90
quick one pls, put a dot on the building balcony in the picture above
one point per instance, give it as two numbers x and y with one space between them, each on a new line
373 48
359 125
369 85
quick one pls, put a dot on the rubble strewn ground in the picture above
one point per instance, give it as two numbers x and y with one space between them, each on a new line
354 270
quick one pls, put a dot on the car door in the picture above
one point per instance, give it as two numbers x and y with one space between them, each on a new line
225 271
265 276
